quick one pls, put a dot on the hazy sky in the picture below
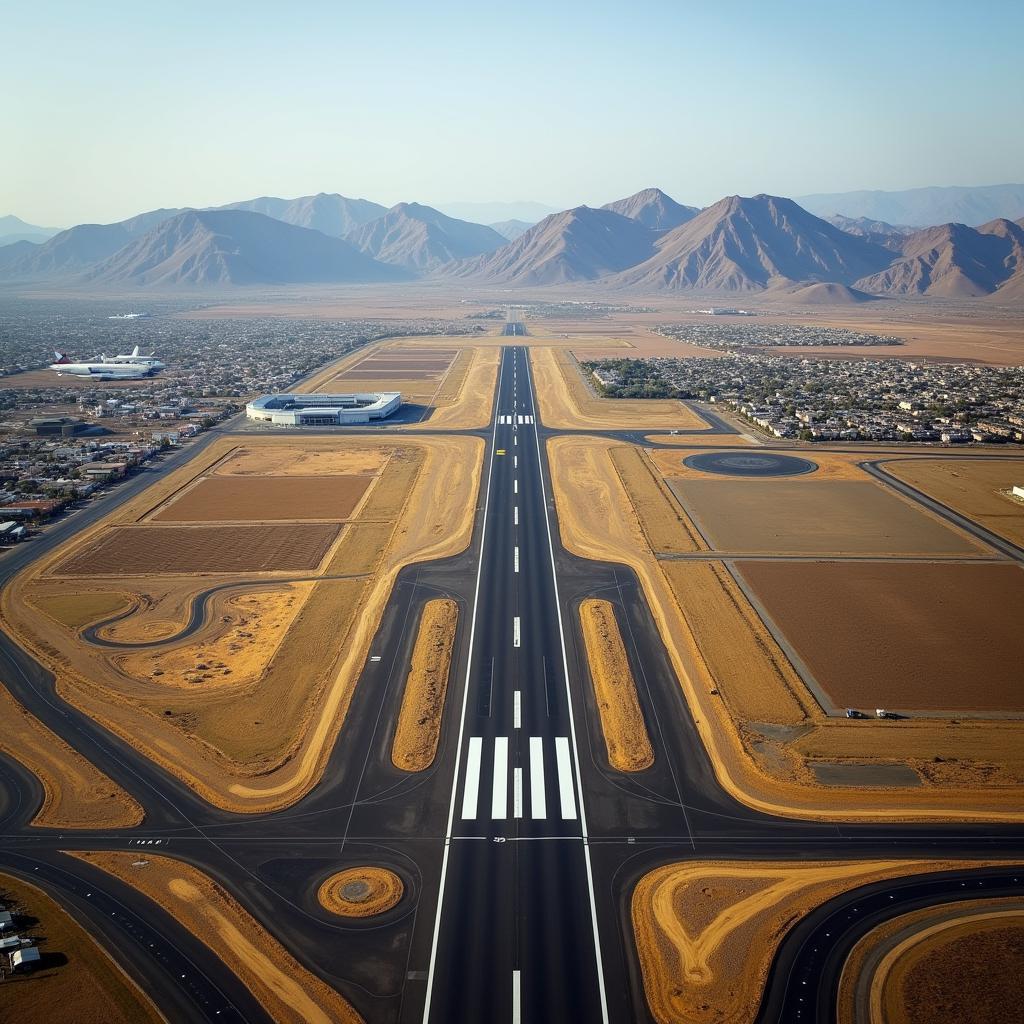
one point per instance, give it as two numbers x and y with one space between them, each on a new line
112 108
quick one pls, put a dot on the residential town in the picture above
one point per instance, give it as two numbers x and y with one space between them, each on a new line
837 400
727 337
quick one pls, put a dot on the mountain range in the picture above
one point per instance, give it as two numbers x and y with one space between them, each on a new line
14 229
646 242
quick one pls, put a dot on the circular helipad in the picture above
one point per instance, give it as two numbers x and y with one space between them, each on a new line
750 464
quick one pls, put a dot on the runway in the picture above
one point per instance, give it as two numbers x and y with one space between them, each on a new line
518 847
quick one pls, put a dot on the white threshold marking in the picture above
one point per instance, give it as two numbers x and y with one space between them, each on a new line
515 559
565 793
517 998
538 803
471 793
515 515
517 709
499 794
515 631
517 792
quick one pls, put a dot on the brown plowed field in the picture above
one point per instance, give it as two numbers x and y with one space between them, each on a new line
815 517
272 460
911 636
225 498
193 549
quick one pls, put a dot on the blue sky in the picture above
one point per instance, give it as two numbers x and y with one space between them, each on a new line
111 108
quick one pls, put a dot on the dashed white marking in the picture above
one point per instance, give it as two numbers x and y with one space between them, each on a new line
517 998
515 486
515 559
515 631
499 794
515 461
515 440
565 790
515 515
517 792
375 657
517 709
538 803
472 791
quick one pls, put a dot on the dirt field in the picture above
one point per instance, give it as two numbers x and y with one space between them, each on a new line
706 931
976 489
232 499
81 609
566 402
360 892
140 550
761 726
841 517
75 793
76 982
289 993
940 637
419 720
316 457
964 957
622 721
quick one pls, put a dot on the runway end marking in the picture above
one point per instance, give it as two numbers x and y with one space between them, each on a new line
499 793
472 791
565 790
538 801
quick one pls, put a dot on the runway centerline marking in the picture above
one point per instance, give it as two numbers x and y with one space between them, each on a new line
565 790
515 515
517 710
515 559
515 486
538 801
499 792
517 998
515 631
517 792
470 795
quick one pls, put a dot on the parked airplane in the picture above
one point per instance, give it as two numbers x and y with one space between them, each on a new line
124 367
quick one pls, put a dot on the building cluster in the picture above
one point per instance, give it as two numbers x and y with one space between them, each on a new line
769 334
837 400
19 954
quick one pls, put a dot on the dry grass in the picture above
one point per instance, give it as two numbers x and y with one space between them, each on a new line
287 991
666 526
840 517
706 932
83 608
360 892
622 721
567 403
768 771
267 498
88 988
878 634
978 490
141 550
419 720
76 794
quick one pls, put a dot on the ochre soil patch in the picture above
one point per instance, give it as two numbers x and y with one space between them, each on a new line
566 402
671 463
87 988
691 441
234 654
706 931
977 489
622 721
287 991
76 794
224 498
841 517
314 458
419 719
139 550
759 723
666 526
360 892
942 637
962 961
78 609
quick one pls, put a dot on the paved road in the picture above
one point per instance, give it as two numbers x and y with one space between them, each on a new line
545 912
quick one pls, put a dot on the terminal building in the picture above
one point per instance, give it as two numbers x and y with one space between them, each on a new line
318 410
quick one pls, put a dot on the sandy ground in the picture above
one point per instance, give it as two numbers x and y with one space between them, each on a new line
289 993
360 892
706 932
840 517
81 608
565 401
76 793
419 720
978 490
734 677
965 957
316 457
622 721
250 746
77 981
902 636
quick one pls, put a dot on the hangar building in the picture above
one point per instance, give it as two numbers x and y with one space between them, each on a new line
318 410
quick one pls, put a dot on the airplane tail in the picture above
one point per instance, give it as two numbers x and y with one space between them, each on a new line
135 351
61 357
